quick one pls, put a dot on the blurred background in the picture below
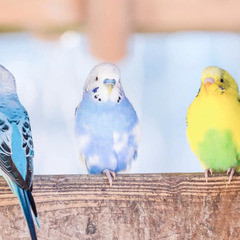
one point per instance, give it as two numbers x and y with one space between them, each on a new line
160 46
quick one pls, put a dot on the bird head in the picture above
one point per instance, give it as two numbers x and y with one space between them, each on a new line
7 82
216 80
103 83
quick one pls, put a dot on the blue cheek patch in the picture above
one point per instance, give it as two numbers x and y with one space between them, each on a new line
95 89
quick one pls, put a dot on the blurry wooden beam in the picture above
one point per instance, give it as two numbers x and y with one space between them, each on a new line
175 15
41 15
143 15
138 206
109 24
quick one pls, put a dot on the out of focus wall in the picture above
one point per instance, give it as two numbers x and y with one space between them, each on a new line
146 15
113 20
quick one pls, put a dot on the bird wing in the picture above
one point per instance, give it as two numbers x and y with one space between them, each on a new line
134 139
19 171
137 136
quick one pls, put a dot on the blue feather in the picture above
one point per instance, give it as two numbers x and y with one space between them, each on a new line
18 154
22 196
16 147
100 121
106 124
95 89
25 205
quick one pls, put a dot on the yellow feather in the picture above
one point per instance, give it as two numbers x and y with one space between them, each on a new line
216 106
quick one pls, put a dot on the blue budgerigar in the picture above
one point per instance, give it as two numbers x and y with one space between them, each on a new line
16 147
106 124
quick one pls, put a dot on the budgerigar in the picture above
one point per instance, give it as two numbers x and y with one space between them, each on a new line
16 147
213 121
106 124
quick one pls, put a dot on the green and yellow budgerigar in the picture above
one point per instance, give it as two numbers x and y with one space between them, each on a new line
213 122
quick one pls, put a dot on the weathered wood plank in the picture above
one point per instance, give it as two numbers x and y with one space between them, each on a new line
146 206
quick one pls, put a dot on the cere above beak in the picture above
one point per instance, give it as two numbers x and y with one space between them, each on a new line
109 84
208 81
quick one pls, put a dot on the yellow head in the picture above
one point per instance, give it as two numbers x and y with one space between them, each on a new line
216 81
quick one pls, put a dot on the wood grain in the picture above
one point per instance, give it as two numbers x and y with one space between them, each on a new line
139 206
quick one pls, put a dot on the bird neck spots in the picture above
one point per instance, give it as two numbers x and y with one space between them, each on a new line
101 95
215 90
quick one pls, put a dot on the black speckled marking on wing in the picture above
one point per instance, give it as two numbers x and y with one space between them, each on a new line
28 147
7 166
6 163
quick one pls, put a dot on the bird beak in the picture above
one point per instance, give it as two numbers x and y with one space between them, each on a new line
208 82
109 83
110 87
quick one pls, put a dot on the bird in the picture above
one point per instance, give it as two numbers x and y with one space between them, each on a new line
106 125
213 122
16 148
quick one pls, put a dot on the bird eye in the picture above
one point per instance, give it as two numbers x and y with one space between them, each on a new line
221 80
96 78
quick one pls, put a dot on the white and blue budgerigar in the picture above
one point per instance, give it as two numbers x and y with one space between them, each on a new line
16 147
106 124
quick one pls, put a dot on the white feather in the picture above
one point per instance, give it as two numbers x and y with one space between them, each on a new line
96 80
7 81
83 141
137 133
119 141
92 161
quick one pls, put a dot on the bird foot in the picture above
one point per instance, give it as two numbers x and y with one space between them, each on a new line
110 175
231 171
208 170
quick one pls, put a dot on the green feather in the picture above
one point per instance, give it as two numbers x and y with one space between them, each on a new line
218 151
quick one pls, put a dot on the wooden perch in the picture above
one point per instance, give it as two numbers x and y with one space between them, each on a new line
138 206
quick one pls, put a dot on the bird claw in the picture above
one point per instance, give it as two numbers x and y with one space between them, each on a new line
208 170
110 175
113 174
231 171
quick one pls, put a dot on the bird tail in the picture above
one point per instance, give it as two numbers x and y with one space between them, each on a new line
33 206
26 201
